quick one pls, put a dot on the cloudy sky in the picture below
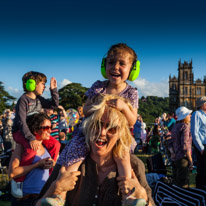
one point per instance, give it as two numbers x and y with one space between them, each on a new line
67 39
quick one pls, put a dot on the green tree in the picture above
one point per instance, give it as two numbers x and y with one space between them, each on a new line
5 99
72 95
152 107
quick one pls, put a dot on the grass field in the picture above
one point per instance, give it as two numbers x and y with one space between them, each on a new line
143 157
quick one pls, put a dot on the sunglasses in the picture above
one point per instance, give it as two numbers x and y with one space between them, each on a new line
110 131
45 128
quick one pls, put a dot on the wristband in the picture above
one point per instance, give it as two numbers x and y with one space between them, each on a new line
55 200
134 202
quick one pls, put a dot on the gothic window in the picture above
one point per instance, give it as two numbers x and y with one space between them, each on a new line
174 86
198 90
185 90
186 103
185 76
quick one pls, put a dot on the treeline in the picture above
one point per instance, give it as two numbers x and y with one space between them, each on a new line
152 107
73 95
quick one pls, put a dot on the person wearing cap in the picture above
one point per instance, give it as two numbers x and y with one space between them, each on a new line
198 130
182 144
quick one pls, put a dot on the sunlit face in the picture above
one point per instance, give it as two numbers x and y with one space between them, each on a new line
40 87
203 107
80 111
118 67
107 139
45 130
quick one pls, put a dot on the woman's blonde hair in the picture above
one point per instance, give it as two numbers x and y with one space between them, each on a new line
92 124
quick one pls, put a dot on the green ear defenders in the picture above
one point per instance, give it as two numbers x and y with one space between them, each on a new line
134 73
30 85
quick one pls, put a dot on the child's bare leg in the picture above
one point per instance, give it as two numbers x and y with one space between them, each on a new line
124 165
71 168
74 167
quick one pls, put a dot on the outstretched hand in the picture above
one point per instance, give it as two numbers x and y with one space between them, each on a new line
53 83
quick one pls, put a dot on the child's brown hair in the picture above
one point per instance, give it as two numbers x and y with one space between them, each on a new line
117 48
37 76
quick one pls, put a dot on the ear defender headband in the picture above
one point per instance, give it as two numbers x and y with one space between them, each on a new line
134 73
30 85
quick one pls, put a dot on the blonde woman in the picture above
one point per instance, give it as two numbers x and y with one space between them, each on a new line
182 144
108 138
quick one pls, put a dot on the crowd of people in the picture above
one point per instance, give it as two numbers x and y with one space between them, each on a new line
96 166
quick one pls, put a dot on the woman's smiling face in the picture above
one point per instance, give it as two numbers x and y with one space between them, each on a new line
107 139
44 131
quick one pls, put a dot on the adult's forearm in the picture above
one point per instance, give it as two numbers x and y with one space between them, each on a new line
53 191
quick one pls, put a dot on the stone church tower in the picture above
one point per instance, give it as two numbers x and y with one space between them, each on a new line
183 91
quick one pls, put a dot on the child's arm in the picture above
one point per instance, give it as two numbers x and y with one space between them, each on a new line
131 115
54 102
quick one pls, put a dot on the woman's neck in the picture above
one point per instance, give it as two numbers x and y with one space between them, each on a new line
116 88
104 166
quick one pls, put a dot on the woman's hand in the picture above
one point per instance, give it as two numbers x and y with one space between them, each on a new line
53 83
46 163
66 181
131 186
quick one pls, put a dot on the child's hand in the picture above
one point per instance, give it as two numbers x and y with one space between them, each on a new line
117 104
131 186
53 83
34 144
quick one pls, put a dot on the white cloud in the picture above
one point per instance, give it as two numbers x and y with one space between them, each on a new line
146 88
63 83
14 92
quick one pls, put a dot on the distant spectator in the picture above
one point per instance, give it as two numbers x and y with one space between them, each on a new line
55 118
63 140
155 140
80 111
7 129
198 130
170 122
182 145
62 122
137 127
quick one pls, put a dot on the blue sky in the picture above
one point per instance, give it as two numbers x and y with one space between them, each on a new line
67 40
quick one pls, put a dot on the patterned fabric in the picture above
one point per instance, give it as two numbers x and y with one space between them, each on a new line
55 131
55 200
99 87
74 151
182 140
198 129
